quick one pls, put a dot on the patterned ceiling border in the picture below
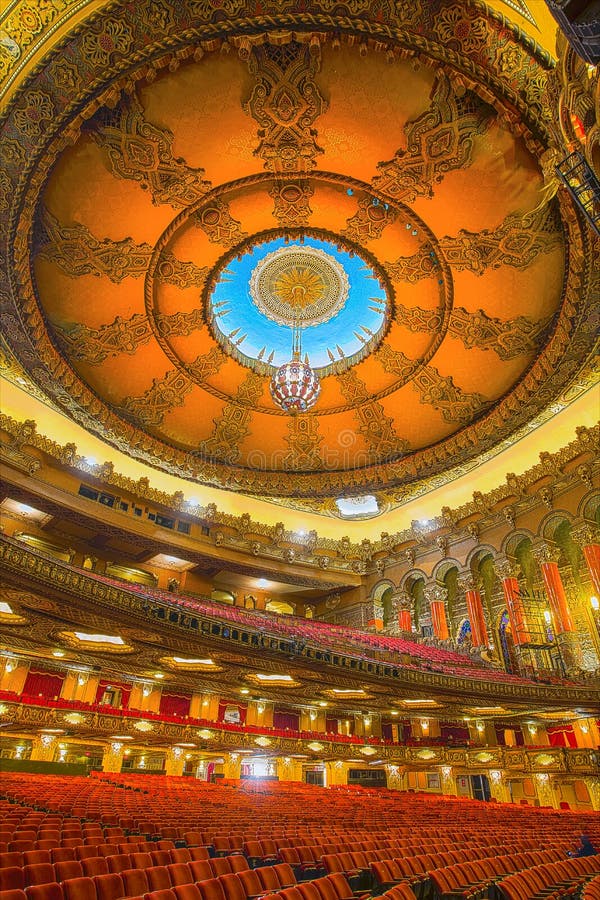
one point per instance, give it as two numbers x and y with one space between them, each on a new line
105 51
262 540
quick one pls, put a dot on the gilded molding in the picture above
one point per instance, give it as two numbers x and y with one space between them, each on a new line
136 149
439 140
151 407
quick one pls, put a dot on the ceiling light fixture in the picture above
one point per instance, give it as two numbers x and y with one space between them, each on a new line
295 387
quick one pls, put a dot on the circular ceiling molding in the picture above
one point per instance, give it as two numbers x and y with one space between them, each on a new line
299 286
329 292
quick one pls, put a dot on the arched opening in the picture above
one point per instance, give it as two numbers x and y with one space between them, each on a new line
281 607
387 606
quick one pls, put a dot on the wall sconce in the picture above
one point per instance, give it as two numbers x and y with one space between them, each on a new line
19 752
547 617
446 771
233 756
81 680
142 763
286 761
367 721
47 740
312 715
62 754
496 776
260 708
532 728
584 729
8 668
146 690
176 751
480 727
205 701
116 747
541 776
595 603
424 724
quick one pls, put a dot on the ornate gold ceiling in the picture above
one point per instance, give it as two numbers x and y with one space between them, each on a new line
160 143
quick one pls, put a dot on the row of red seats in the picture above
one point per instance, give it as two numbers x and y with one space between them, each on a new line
122 864
226 887
553 882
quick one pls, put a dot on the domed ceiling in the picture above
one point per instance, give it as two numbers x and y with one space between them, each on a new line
201 180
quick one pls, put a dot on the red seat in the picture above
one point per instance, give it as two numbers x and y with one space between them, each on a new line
158 878
107 850
12 858
285 874
95 865
187 892
165 894
39 873
141 860
238 862
232 887
180 855
220 866
13 895
79 889
11 878
180 873
135 882
62 854
161 857
70 868
109 887
252 883
49 891
211 890
201 869
118 863
199 853
31 857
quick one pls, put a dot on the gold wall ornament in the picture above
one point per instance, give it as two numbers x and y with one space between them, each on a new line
138 150
95 345
438 141
150 408
369 221
233 424
376 428
285 102
76 251
304 441
263 741
440 391
315 746
74 718
291 202
218 224
143 726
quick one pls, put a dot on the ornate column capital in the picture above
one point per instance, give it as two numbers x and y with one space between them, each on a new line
545 551
466 582
506 567
434 591
586 533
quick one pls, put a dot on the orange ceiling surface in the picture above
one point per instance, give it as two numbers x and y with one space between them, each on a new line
390 154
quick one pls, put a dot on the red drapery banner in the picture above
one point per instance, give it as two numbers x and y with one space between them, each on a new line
561 736
175 705
43 684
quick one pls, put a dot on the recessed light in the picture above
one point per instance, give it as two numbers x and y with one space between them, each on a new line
244 691
58 653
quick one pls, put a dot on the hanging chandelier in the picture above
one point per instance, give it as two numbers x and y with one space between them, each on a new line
295 387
